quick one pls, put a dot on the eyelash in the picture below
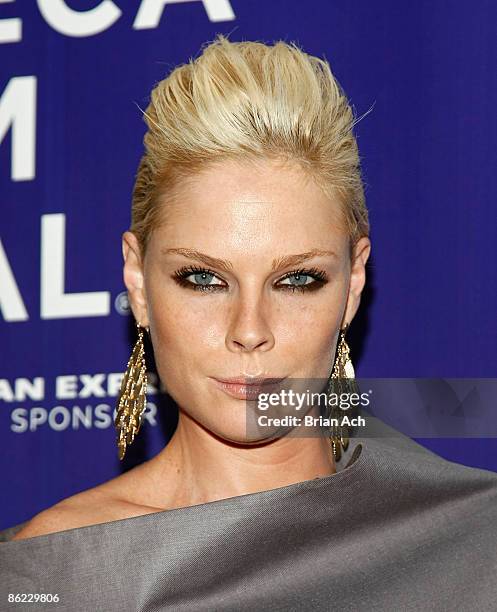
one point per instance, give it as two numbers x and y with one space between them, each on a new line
320 279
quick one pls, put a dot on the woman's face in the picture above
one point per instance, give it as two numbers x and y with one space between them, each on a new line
248 275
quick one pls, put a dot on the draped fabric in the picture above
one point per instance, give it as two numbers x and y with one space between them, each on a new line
396 528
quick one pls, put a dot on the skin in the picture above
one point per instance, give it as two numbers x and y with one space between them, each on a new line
247 215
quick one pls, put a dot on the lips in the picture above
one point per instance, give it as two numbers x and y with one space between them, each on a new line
248 388
251 380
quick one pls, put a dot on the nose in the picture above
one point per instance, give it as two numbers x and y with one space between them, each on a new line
248 328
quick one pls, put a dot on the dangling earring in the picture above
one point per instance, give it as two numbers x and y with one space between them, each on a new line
342 369
132 399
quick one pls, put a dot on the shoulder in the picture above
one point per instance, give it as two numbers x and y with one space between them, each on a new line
85 508
56 518
101 504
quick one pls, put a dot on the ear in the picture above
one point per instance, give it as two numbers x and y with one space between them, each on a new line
134 279
360 256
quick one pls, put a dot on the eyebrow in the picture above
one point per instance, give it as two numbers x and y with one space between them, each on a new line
227 266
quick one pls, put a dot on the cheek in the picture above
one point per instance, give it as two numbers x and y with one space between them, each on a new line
310 323
309 332
183 335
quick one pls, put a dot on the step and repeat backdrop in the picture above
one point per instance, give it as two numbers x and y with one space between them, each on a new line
73 77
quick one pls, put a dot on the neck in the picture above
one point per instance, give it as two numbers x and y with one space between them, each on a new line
198 467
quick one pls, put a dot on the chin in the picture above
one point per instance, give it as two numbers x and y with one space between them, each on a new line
228 422
235 429
242 438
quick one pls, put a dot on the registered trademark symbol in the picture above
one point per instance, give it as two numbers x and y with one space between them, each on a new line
121 303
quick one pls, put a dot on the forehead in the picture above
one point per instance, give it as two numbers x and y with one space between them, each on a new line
252 204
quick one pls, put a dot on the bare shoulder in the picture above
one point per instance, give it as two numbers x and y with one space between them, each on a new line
57 518
101 504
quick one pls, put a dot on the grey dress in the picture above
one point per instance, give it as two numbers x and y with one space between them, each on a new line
397 528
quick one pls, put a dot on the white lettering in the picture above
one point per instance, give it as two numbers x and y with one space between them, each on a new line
6 392
150 11
23 389
150 413
18 111
52 418
66 387
92 385
152 381
102 416
114 381
60 418
78 416
37 416
55 304
11 303
19 420
32 389
79 23
10 29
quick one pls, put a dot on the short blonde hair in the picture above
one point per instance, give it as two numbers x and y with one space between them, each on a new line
249 101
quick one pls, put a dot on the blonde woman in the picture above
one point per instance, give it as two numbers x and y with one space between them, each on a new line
245 263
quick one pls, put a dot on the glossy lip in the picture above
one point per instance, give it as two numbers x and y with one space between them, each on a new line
250 380
240 389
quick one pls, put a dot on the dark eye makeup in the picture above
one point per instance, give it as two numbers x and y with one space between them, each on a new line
202 275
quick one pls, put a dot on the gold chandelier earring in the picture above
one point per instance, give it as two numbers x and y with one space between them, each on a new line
342 369
132 399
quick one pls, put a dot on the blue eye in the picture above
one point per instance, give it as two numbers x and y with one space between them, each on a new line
202 279
305 280
302 280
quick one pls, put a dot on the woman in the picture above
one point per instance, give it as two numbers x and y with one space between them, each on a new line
245 263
